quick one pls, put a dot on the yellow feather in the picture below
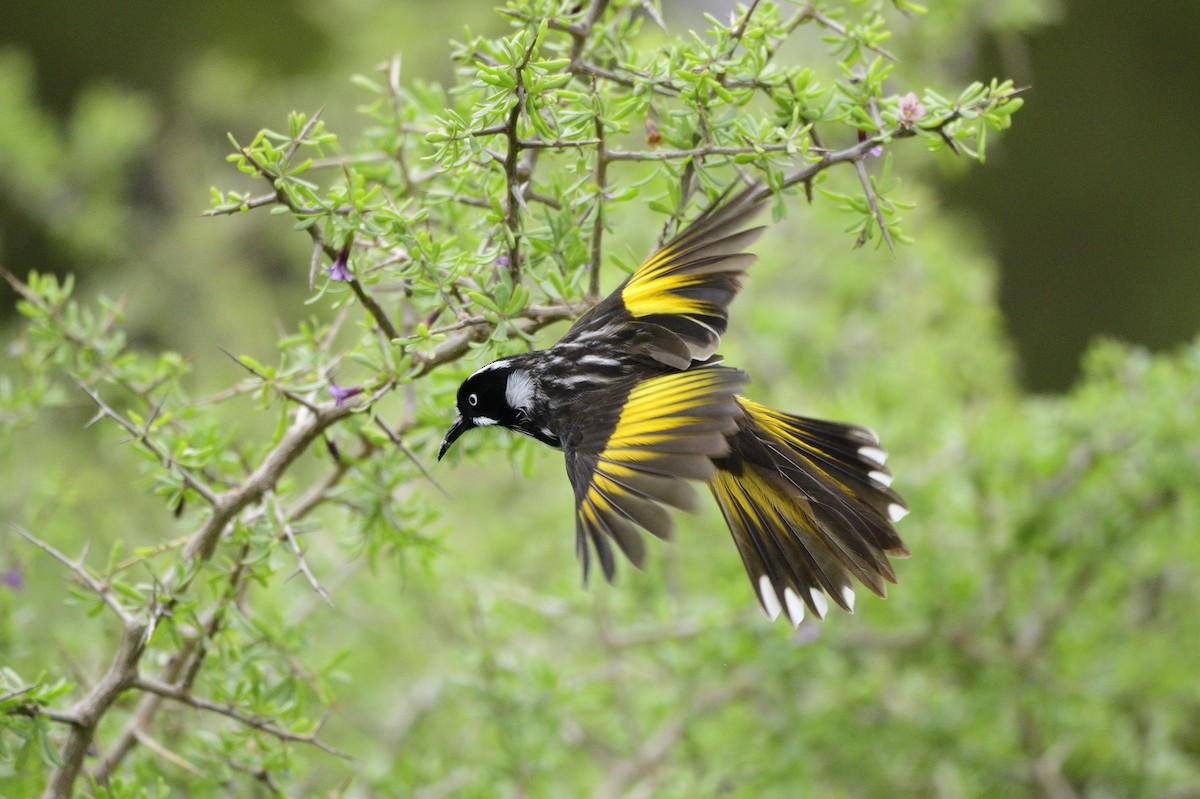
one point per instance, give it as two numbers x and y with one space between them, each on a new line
615 469
751 495
772 423
649 293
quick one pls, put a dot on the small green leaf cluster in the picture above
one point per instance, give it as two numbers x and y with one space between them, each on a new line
24 733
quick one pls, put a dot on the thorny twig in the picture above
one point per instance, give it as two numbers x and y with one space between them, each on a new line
100 589
289 535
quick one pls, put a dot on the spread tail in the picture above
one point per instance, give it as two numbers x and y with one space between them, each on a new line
809 505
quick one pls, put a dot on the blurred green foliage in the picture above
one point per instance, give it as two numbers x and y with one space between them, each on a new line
1036 644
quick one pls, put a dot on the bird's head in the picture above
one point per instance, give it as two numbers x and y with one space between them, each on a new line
500 393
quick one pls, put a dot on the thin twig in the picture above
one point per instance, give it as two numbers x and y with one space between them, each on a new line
142 435
33 710
296 398
166 754
290 536
832 24
601 178
869 190
699 152
229 711
374 308
101 589
314 231
860 166
457 344
735 38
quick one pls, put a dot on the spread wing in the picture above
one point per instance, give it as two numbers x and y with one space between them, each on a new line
624 461
674 307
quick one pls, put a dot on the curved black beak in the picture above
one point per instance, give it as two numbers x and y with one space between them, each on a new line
459 427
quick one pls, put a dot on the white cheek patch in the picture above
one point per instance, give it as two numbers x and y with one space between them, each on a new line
518 392
482 421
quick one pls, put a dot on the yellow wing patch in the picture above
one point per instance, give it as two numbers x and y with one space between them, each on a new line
652 291
669 429
685 288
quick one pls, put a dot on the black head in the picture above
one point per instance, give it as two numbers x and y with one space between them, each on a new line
501 393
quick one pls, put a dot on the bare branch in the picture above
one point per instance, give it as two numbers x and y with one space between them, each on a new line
514 201
295 441
121 673
181 670
296 398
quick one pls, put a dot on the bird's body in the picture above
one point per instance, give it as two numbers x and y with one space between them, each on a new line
636 398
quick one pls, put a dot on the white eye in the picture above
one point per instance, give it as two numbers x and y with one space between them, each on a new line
473 400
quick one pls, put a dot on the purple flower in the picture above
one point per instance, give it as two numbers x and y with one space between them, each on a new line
342 393
501 260
910 108
338 270
14 578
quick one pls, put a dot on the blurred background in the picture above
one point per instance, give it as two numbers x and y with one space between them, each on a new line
1037 644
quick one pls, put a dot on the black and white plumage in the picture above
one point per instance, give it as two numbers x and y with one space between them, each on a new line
636 398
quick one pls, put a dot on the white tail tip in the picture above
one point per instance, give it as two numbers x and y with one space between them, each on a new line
819 602
769 597
896 512
873 454
795 606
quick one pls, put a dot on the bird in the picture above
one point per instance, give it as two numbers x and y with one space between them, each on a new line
643 408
